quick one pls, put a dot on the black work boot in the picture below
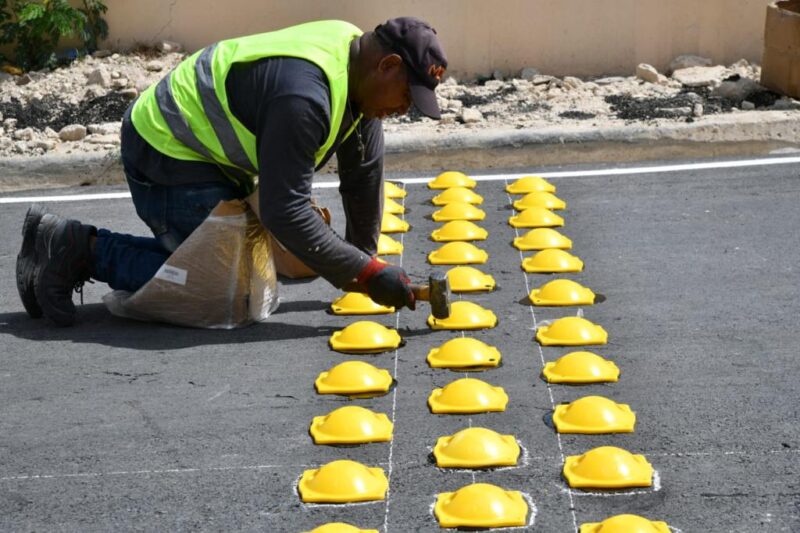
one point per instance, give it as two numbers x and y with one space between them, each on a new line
63 264
26 260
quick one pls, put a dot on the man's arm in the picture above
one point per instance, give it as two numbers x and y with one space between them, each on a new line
361 178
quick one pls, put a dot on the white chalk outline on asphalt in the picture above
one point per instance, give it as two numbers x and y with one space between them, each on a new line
562 457
625 171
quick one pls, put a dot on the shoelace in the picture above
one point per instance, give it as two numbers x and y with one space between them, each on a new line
78 288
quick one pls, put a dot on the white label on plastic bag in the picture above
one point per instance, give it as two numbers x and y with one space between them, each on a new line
172 274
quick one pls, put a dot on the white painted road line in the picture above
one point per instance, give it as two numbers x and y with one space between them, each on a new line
687 167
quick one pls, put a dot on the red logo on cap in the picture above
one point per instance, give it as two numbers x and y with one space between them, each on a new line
436 72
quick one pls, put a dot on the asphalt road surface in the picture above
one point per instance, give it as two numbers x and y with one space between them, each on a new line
116 425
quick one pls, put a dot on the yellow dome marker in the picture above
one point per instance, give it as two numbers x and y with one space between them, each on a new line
447 180
529 184
626 523
340 527
608 467
392 224
481 505
541 239
594 414
467 395
390 190
389 246
459 230
351 425
464 352
571 331
343 481
464 315
540 199
552 261
536 217
458 211
356 303
561 292
353 378
457 194
469 279
458 253
365 336
392 207
476 448
581 367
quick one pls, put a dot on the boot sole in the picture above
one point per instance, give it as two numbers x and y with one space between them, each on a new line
26 261
43 251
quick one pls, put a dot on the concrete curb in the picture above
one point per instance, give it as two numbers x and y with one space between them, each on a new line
739 134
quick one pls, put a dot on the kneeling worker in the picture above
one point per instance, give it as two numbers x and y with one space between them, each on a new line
276 105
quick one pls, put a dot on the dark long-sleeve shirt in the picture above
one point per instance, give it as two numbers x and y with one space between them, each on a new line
285 102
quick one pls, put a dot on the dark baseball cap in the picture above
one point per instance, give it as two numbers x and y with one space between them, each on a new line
419 47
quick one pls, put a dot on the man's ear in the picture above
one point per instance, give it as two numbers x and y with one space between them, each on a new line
390 62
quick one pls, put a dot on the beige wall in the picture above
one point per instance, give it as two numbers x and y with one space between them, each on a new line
561 37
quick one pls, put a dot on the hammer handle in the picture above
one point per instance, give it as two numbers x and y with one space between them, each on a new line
421 292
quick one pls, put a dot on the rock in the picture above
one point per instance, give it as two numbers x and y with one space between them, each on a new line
571 83
448 118
737 90
688 61
10 124
169 47
44 145
115 56
748 106
498 75
20 147
154 66
541 79
663 80
106 128
25 79
698 110
50 133
103 139
786 104
115 74
73 132
610 80
449 81
529 73
94 91
24 134
470 116
454 105
120 83
5 143
99 77
5 76
699 76
100 54
647 73
130 93
1 117
494 85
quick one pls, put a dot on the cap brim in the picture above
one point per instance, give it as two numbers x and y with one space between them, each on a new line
425 100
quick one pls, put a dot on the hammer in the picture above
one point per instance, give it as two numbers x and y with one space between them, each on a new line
437 292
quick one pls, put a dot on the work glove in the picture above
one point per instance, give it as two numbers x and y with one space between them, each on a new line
387 285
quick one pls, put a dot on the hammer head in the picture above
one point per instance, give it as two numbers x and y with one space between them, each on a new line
439 290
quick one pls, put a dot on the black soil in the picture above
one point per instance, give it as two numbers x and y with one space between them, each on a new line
577 115
54 113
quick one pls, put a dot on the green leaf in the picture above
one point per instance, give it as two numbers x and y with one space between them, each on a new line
31 12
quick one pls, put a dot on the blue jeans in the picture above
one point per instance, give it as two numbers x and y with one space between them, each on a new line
171 212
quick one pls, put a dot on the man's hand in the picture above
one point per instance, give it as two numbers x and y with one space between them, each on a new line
387 285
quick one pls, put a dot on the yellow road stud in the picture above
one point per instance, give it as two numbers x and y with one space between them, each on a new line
457 194
340 527
529 184
571 331
476 448
458 253
481 505
467 395
536 217
469 279
561 292
626 523
540 199
390 190
464 352
447 180
594 414
353 378
392 224
581 367
351 424
389 246
458 211
608 467
541 239
365 336
552 261
392 207
459 230
356 303
464 315
343 481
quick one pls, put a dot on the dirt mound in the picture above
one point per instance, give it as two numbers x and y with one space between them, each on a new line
50 111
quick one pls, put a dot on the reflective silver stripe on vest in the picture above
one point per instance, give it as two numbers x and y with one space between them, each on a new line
223 128
180 128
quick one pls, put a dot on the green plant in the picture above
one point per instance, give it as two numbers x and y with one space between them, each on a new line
35 28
